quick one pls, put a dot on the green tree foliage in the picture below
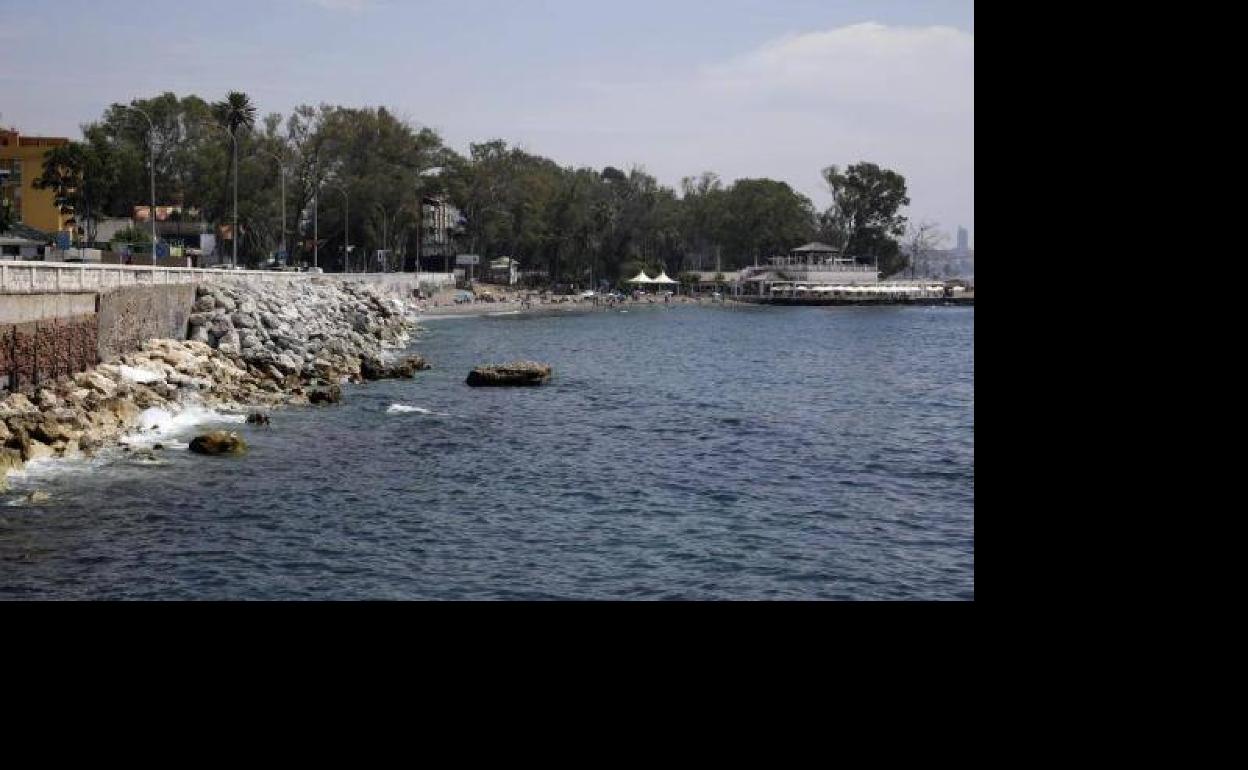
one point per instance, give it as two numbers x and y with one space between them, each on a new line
863 219
235 111
65 171
576 225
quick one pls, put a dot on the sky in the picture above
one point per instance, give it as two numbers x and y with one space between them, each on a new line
744 88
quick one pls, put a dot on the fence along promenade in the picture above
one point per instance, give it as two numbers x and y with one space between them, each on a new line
21 277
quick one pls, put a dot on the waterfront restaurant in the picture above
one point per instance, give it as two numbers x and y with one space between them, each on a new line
814 264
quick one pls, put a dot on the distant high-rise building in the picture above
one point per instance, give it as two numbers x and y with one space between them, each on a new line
964 240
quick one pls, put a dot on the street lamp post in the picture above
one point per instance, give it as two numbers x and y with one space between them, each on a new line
234 232
151 146
281 171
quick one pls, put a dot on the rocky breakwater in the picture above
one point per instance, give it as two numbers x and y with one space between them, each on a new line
247 347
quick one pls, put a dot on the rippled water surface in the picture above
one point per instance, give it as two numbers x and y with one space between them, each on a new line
679 453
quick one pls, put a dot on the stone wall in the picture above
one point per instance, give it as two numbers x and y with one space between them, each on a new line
399 284
40 351
131 315
49 312
23 308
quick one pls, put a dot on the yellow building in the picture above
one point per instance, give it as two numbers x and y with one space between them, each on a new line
22 158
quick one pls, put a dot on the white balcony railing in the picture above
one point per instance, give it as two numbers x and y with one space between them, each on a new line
21 277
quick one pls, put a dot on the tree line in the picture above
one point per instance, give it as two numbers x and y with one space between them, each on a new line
572 224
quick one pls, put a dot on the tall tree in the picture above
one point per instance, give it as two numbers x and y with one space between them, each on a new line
63 172
863 218
921 241
763 217
235 112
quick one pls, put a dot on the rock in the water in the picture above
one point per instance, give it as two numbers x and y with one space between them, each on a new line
410 365
219 442
38 496
374 368
257 418
329 395
516 374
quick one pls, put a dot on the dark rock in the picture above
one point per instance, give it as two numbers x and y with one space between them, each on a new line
516 374
329 395
219 442
373 368
257 418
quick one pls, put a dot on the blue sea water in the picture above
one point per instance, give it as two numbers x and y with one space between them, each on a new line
678 453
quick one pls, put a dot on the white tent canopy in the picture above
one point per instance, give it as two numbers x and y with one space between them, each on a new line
641 278
662 278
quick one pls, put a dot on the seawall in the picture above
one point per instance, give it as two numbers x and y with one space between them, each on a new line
62 318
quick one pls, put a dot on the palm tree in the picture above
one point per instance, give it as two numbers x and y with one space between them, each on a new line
235 111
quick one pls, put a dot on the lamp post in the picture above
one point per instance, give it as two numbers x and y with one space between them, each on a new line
346 228
151 146
233 232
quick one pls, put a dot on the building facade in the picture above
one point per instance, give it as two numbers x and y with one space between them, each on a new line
440 224
21 163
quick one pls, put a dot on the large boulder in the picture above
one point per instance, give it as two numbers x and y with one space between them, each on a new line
29 448
200 334
219 442
515 374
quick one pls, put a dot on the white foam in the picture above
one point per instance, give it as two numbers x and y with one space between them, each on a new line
47 468
157 424
408 409
135 374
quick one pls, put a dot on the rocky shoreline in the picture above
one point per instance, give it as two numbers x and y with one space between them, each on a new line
246 348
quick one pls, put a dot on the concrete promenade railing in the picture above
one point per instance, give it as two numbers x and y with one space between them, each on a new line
21 277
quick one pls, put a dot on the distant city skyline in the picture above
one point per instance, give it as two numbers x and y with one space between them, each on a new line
743 88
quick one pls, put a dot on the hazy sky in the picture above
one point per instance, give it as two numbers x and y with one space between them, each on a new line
745 88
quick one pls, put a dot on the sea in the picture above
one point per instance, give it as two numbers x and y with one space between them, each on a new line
678 453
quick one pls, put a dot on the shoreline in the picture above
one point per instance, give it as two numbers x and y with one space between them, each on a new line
248 349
